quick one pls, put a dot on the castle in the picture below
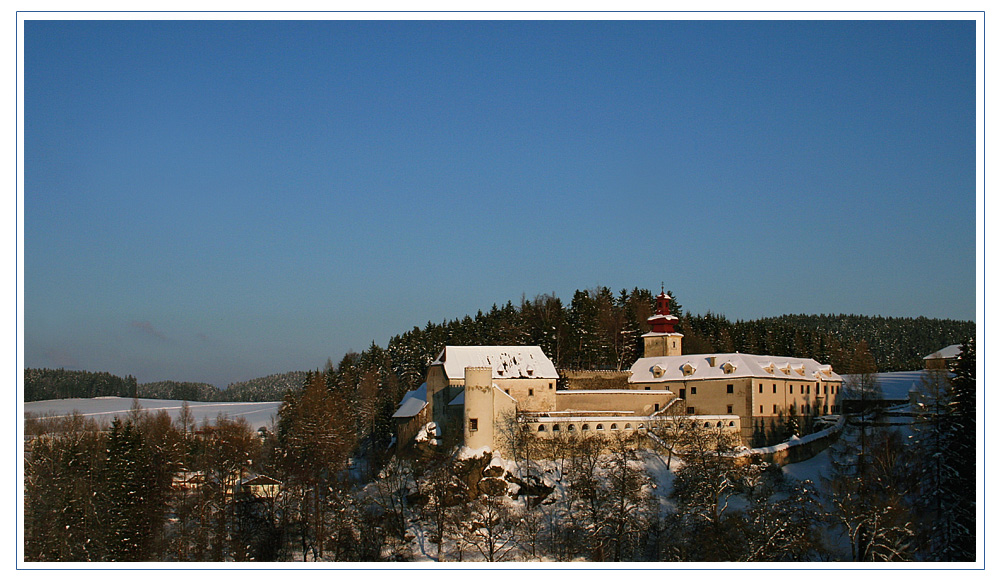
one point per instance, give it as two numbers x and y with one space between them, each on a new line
480 390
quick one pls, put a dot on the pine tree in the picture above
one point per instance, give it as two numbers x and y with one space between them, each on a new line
128 491
965 408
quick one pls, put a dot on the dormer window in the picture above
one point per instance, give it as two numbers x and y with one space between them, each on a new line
658 371
687 369
530 370
499 371
801 370
728 368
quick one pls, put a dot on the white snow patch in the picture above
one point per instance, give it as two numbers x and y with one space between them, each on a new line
106 408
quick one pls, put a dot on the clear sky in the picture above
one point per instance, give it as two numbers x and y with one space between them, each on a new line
217 201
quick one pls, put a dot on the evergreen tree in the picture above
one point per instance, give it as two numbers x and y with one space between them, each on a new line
132 508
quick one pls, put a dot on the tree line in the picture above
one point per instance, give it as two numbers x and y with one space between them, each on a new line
598 329
49 384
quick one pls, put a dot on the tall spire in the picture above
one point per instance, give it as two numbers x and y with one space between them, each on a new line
662 321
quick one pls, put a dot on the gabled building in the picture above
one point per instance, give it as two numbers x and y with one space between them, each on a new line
761 390
943 358
480 386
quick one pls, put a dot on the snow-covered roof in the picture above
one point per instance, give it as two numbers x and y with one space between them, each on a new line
714 367
413 402
506 361
947 353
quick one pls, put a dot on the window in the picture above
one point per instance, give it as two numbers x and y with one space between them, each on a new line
555 427
826 389
683 393
729 388
647 387
656 407
628 426
732 423
531 391
571 428
473 424
585 427
550 385
802 389
774 388
541 428
762 409
791 389
802 408
600 427
808 388
760 388
690 409
614 426
774 409
694 390
729 409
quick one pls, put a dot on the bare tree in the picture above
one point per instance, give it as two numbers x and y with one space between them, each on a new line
492 529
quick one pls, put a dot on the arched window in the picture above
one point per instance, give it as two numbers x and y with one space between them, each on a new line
571 427
614 426
641 426
718 424
541 428
585 427
600 427
708 424
555 427
732 423
628 426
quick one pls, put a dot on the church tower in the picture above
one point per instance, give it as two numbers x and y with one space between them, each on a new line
662 340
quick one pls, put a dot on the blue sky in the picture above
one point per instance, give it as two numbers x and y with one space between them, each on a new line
217 201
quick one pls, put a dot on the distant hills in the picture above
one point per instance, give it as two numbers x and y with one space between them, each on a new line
598 329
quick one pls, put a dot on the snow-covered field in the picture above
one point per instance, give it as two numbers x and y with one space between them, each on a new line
258 414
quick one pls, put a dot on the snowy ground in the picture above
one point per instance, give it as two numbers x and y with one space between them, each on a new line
258 414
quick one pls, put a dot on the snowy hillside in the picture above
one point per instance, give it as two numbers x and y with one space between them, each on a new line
257 414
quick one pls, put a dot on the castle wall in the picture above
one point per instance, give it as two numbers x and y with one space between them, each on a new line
595 379
636 402
531 394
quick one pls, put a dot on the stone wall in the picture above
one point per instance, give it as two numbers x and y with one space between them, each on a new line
595 379
798 450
